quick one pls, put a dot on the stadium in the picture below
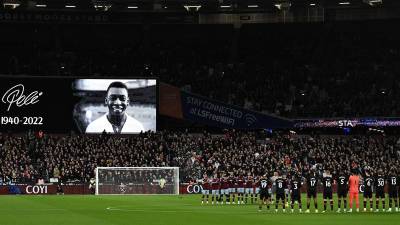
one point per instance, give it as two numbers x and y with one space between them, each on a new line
167 112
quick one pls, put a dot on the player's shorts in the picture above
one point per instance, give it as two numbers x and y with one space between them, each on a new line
257 190
295 197
380 194
205 192
367 194
327 194
249 190
264 195
342 193
225 191
232 190
393 194
240 190
353 195
280 196
311 193
215 192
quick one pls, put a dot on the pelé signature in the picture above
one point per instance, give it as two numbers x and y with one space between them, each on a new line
15 96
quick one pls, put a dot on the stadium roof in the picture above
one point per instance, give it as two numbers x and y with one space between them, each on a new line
197 5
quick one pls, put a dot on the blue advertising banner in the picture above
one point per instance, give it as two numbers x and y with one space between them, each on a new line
208 111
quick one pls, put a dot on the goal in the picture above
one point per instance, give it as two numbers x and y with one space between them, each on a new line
137 180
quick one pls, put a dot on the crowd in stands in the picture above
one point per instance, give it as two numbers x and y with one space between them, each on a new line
74 158
341 69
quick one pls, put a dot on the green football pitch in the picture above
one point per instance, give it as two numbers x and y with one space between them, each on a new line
162 210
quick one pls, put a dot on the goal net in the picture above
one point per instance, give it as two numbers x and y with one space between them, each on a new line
137 180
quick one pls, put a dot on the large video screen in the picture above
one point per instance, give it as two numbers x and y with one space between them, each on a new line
92 106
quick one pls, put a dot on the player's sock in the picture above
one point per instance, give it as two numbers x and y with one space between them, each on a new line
351 203
316 205
308 205
276 205
339 203
365 203
371 204
251 198
345 204
390 203
283 205
331 205
383 204
324 205
396 202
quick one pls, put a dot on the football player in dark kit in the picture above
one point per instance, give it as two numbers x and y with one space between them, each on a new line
380 190
342 189
312 183
392 181
368 184
280 185
327 182
265 198
295 195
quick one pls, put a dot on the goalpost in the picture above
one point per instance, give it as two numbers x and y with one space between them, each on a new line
137 180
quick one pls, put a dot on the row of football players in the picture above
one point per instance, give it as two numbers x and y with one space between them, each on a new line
224 190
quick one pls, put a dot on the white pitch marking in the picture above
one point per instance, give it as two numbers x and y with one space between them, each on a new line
169 211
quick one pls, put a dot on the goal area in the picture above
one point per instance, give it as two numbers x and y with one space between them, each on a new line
137 180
